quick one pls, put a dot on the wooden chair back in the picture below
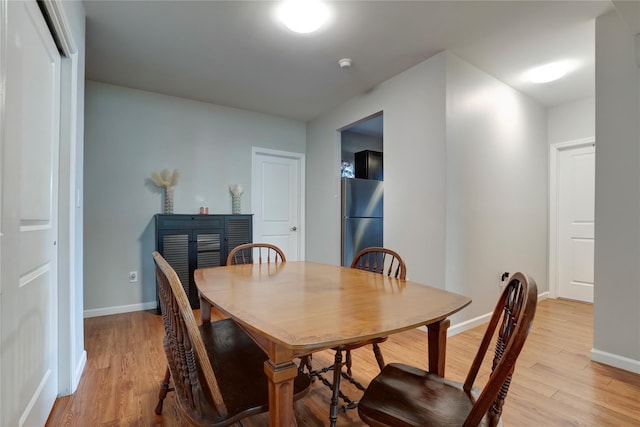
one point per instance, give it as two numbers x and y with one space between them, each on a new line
217 368
380 260
514 315
403 395
263 252
195 384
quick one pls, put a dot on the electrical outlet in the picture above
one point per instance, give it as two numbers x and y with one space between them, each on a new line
504 278
133 276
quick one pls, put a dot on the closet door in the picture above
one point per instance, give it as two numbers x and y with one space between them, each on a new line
29 251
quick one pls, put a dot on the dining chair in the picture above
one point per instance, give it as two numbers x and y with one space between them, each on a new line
380 260
402 395
217 369
376 260
264 252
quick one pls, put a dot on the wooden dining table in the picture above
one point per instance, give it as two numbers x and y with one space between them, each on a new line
292 309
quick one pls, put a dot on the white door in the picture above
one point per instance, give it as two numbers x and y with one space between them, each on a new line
576 191
277 189
28 365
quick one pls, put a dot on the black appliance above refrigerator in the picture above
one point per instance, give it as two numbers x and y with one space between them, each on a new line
368 165
362 216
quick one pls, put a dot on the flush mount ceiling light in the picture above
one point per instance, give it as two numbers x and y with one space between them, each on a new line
345 63
303 16
548 73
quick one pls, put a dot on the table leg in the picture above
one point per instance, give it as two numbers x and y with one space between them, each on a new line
205 311
281 393
438 346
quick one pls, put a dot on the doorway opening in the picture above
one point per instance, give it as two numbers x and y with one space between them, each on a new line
363 135
362 176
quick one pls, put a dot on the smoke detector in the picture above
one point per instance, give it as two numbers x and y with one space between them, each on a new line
345 63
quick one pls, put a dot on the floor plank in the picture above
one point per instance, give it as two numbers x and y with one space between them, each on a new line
555 383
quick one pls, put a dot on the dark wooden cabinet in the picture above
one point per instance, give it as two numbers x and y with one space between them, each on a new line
188 242
368 165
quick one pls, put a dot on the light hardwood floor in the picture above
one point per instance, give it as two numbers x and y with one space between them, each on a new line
555 383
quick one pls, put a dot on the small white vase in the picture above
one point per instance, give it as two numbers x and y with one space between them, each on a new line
235 204
168 200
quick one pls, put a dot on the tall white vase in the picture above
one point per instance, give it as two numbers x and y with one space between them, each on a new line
168 200
235 204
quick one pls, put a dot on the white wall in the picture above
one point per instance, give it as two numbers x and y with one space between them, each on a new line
496 186
572 121
413 103
130 134
465 175
616 329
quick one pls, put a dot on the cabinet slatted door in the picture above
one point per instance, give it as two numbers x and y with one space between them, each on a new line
208 249
175 249
238 232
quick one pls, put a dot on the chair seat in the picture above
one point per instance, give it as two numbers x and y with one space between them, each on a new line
239 368
353 346
402 395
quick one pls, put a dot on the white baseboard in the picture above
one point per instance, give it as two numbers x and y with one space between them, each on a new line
616 361
464 326
95 312
468 324
480 320
610 359
77 375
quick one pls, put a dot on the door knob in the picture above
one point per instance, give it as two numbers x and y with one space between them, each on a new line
294 228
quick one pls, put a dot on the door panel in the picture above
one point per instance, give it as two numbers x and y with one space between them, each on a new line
362 198
276 202
576 195
29 218
583 260
360 233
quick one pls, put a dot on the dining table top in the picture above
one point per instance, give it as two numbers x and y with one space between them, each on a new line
304 306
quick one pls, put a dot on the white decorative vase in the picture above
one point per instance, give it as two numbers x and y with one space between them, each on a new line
235 204
168 200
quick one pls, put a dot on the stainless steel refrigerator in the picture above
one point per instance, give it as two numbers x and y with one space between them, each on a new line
362 202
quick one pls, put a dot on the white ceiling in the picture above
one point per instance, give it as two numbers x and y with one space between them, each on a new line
235 53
